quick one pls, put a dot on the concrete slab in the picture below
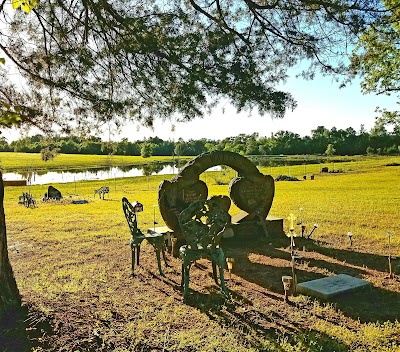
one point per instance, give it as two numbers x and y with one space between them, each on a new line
331 286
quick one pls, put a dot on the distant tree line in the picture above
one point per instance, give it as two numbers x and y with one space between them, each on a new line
321 141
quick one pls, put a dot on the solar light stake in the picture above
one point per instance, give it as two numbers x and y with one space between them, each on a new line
294 274
390 256
300 220
229 263
292 234
313 229
350 234
287 282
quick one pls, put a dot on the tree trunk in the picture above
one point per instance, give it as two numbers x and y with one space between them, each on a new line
10 300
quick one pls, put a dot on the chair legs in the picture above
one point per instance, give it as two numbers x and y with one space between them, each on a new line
158 250
138 255
163 254
214 269
221 278
186 278
135 257
159 247
135 249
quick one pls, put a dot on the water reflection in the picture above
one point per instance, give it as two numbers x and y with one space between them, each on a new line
41 177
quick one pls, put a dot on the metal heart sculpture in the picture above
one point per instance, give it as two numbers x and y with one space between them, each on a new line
253 196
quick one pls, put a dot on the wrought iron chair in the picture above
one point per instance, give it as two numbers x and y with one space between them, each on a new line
157 240
202 225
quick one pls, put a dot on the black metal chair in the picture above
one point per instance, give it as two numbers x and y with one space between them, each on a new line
202 225
157 240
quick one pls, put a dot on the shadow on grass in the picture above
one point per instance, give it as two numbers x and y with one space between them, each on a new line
20 330
373 304
260 331
12 332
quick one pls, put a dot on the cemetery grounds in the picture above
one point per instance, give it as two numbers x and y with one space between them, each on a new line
72 266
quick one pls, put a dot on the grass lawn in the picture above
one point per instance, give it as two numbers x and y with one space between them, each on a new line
72 266
10 161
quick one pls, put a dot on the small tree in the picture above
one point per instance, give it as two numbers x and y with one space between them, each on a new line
370 150
146 150
330 150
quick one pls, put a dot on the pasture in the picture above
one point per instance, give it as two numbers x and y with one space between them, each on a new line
72 266
10 161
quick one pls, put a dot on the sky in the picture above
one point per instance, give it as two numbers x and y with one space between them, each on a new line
320 103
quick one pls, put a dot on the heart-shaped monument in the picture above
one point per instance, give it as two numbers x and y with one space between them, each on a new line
253 196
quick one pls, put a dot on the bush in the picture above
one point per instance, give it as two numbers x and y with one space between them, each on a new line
286 178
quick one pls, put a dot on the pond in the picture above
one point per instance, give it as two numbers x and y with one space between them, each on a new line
73 175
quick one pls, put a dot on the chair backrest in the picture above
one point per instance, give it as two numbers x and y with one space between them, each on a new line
202 223
131 218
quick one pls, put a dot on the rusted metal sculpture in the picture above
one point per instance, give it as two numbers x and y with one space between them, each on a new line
102 191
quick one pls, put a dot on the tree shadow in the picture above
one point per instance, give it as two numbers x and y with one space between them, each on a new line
26 329
263 332
264 263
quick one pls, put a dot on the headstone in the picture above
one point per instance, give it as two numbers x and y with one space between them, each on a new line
251 191
331 286
53 193
249 195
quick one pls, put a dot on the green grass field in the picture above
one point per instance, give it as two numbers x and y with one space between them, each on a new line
10 161
72 262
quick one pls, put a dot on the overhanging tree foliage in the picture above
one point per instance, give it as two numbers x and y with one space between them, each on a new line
86 60
377 58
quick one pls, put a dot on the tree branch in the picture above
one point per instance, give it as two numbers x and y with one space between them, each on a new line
219 22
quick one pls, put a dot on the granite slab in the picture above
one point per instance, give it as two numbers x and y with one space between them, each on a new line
331 286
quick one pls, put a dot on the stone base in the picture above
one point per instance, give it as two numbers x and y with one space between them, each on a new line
255 229
274 226
331 286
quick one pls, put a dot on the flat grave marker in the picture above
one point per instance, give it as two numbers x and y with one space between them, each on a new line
331 286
